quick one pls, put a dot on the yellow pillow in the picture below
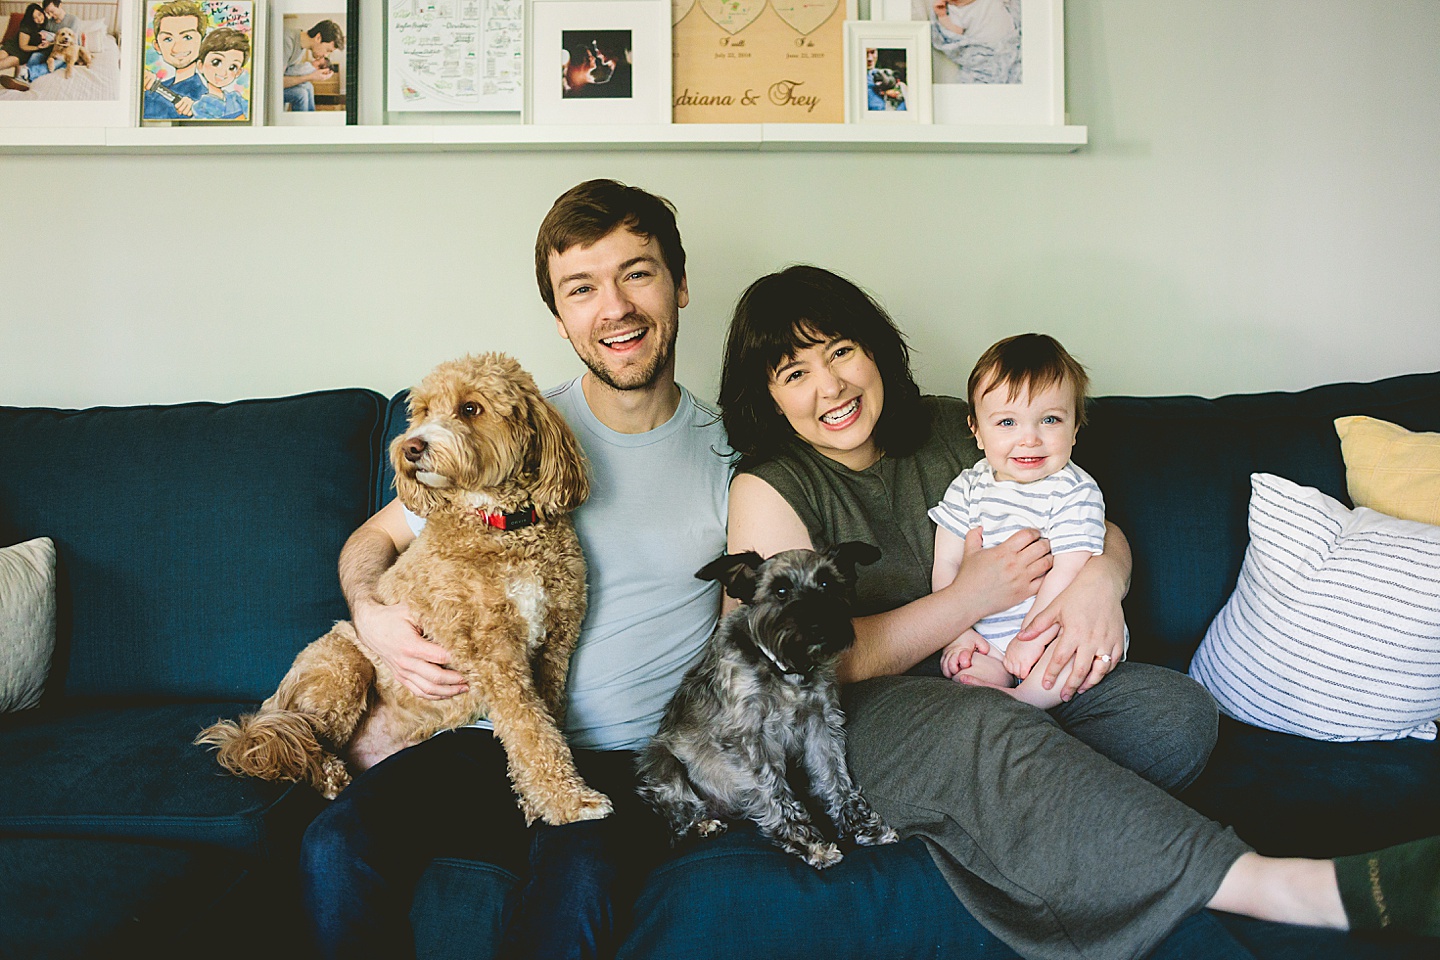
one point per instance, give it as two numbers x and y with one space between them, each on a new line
1390 469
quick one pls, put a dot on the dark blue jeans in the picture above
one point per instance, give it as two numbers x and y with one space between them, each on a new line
451 797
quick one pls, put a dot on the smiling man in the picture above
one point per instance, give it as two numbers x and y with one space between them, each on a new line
180 26
611 268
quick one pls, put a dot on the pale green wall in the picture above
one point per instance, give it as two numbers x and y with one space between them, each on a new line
1259 207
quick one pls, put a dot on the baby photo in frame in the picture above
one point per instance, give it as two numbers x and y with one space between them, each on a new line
597 61
201 61
996 61
64 63
887 72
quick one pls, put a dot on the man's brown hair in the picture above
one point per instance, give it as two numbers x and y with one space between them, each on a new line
183 8
1032 362
328 31
589 212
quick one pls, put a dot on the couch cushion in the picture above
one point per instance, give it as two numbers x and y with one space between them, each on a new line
1291 796
71 899
132 772
1176 476
197 543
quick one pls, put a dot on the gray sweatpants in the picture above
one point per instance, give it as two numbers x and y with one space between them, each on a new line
1057 850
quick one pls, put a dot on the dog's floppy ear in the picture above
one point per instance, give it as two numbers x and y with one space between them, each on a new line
736 571
419 498
561 481
846 555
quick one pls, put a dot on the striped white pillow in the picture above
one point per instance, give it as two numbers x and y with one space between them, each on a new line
1333 631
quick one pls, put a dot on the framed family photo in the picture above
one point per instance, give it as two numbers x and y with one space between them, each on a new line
887 72
597 61
314 80
202 61
996 61
67 64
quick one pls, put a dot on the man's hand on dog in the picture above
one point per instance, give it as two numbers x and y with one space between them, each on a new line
390 631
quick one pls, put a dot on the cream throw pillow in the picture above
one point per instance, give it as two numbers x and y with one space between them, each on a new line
27 621
1390 469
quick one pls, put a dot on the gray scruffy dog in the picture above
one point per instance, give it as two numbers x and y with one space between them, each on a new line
763 704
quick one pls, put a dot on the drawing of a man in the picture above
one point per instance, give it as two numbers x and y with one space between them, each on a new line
180 26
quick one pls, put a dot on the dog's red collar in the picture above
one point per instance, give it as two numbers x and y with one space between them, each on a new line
517 520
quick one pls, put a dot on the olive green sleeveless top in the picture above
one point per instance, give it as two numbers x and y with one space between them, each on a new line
884 505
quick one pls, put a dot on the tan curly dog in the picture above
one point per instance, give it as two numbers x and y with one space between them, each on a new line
496 577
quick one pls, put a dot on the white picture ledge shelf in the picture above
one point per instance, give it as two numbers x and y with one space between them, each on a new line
515 137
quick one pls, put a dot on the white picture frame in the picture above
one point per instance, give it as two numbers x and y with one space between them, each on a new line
35 108
454 57
887 72
306 14
628 42
1038 98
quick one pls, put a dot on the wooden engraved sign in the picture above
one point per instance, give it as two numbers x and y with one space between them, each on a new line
760 61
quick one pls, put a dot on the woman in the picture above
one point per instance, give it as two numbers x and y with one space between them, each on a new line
1056 849
33 46
14 56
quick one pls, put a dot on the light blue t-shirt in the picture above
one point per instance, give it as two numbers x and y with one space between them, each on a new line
656 514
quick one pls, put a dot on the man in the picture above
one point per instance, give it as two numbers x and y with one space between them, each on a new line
180 26
611 268
303 49
56 18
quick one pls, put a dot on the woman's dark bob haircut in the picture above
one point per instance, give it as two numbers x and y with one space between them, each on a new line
782 314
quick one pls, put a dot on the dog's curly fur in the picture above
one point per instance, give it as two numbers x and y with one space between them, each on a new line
506 604
67 50
763 705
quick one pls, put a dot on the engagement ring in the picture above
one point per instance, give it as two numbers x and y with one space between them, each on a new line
1104 658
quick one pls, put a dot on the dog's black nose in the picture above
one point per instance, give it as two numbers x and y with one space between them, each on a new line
413 448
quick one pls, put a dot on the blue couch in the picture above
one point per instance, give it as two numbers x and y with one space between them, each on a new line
197 547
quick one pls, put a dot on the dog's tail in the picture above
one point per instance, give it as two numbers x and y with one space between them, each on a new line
278 745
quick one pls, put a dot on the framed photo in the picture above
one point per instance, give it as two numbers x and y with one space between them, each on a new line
597 61
202 61
84 75
455 57
313 79
887 72
996 61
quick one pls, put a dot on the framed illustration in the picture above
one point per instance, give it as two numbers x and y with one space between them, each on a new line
597 61
997 61
313 79
202 61
455 57
887 72
84 73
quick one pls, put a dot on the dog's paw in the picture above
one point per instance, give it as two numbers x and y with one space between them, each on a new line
710 828
334 777
822 855
594 805
872 838
582 803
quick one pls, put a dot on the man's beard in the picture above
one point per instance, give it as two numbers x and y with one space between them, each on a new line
632 377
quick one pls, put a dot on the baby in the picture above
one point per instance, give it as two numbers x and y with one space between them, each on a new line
1027 403
981 37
